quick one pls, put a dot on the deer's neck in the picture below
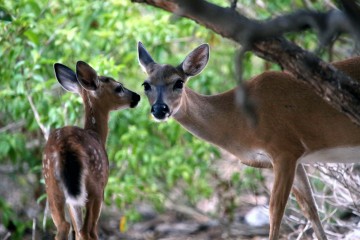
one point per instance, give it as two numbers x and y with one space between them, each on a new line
218 120
215 119
96 119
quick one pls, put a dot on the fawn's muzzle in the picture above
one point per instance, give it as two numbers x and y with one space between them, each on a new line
160 111
134 100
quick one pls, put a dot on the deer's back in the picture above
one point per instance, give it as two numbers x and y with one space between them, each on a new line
82 146
292 114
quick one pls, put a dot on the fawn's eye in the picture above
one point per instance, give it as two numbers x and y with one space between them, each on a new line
179 84
147 86
119 89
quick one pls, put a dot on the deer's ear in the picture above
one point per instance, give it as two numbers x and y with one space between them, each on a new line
144 57
87 76
67 78
196 61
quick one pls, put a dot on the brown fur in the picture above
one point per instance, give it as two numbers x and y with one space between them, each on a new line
75 158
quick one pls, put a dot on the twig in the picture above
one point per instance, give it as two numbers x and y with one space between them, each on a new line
44 130
186 210
12 126
307 226
7 236
337 174
34 229
46 210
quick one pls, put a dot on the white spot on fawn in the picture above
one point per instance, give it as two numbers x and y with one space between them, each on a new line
57 134
55 158
47 164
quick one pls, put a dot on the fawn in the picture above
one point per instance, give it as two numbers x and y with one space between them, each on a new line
75 162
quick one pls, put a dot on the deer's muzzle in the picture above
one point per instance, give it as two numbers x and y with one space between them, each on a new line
160 111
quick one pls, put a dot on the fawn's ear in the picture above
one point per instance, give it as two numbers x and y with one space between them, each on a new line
144 58
67 78
87 76
196 61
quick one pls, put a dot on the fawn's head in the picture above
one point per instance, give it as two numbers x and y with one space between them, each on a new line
164 86
97 91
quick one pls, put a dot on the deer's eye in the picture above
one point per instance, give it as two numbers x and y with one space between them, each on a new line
179 84
147 86
119 89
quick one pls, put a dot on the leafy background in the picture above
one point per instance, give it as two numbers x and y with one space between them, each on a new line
148 159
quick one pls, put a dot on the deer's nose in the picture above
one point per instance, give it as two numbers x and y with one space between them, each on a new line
135 98
160 111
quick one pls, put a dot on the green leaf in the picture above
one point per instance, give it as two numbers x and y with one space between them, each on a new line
32 37
4 15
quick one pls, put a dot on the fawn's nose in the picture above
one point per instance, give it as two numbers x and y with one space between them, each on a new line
160 111
134 100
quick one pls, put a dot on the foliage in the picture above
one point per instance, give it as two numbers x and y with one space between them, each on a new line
148 159
11 221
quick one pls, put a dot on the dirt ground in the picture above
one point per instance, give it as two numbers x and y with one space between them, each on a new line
177 222
20 191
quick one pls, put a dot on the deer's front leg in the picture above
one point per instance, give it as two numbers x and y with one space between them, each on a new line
303 193
284 172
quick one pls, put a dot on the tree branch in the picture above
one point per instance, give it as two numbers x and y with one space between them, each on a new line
335 87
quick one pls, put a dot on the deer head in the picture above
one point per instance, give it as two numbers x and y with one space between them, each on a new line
165 83
95 90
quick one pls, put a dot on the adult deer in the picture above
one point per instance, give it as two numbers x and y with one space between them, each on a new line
294 126
75 162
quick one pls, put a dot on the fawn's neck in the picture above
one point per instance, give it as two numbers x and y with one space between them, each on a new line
96 119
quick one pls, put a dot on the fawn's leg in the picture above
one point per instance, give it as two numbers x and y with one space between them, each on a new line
96 210
87 227
57 207
76 219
